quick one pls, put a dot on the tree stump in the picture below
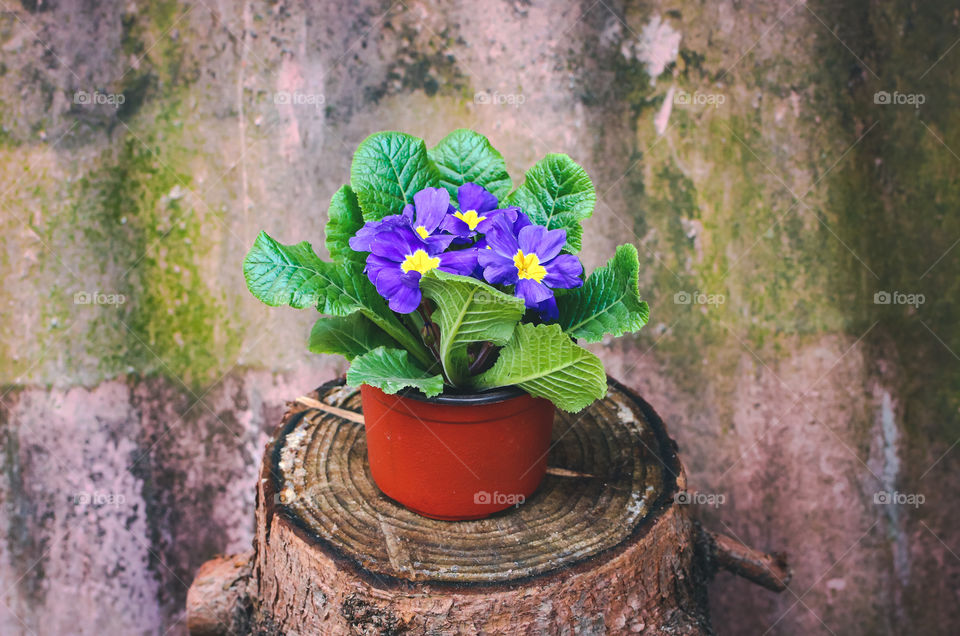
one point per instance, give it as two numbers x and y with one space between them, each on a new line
601 547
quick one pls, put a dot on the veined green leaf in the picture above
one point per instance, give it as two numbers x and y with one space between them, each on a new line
348 336
557 193
391 370
284 274
294 275
608 302
343 221
388 169
468 310
465 156
545 362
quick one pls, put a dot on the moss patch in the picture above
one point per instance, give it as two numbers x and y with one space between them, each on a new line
148 239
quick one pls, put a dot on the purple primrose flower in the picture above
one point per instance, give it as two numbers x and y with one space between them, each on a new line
529 257
478 210
425 215
400 255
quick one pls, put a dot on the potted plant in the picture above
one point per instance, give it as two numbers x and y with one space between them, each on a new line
458 301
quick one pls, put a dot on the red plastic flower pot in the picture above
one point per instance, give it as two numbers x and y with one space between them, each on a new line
457 457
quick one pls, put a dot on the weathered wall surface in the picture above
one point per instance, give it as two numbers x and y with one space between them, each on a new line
739 145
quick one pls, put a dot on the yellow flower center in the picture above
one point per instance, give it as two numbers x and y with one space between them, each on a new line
470 217
422 231
419 261
528 266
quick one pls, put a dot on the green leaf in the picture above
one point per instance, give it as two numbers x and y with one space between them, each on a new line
294 275
557 193
388 169
343 221
608 302
391 370
545 362
465 156
348 336
280 274
468 310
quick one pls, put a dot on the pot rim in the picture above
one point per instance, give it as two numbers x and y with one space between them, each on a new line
451 397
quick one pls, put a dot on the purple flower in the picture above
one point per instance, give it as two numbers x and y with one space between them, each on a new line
400 255
530 259
425 215
362 240
478 211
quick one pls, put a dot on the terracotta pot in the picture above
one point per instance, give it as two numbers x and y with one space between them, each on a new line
457 457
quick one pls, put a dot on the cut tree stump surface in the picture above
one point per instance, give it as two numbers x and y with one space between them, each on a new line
600 548
324 488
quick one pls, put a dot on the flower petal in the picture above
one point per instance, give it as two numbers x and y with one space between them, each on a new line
360 242
500 273
522 221
510 213
471 196
402 290
546 244
375 264
431 206
548 309
455 226
461 262
438 242
396 243
532 292
564 272
501 239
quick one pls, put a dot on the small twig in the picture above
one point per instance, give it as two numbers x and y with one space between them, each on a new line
768 570
563 472
346 414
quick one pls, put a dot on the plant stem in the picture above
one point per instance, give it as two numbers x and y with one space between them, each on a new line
435 330
485 351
